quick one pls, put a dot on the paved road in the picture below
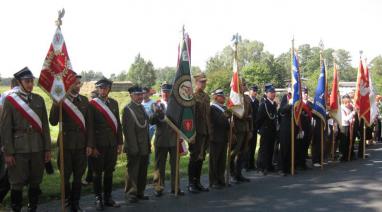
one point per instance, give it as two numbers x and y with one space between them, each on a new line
351 186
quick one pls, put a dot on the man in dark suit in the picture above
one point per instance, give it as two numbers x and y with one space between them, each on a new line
250 163
218 140
267 124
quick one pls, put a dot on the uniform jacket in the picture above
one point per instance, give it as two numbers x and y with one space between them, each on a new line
136 134
100 132
74 137
17 135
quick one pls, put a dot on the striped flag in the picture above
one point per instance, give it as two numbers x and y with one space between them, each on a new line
236 99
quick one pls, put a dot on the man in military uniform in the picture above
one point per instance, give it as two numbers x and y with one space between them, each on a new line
75 135
304 135
250 163
165 142
26 140
243 128
135 124
267 124
220 128
199 146
106 140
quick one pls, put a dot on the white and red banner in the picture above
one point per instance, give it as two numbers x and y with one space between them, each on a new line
74 113
57 76
362 100
373 103
236 99
334 101
27 112
106 112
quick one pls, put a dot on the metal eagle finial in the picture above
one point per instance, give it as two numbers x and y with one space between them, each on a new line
61 14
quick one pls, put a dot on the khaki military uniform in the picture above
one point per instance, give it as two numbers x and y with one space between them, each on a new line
199 147
27 145
243 128
103 138
135 124
75 141
165 143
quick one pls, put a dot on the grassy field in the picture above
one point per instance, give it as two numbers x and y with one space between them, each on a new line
51 183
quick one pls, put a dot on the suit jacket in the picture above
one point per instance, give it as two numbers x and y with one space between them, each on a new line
255 109
74 137
136 134
267 117
101 134
165 136
17 135
219 125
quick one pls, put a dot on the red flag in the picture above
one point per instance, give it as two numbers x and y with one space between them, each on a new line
362 100
236 100
334 101
57 76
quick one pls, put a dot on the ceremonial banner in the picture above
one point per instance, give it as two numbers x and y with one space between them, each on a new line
319 104
296 89
334 101
236 99
57 76
362 99
373 103
180 108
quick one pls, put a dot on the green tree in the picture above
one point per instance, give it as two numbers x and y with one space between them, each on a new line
376 71
141 72
91 75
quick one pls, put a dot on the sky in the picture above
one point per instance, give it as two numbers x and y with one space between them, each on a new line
107 35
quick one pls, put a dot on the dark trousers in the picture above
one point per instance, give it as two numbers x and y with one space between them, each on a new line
160 167
136 178
250 161
217 163
265 156
103 168
4 186
74 166
197 155
344 143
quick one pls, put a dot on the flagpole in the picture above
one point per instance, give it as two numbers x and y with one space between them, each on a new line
333 151
177 166
228 162
364 140
292 116
322 144
61 146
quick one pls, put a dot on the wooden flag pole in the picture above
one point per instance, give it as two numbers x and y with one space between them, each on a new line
333 140
177 166
351 133
228 162
61 145
322 145
364 140
292 116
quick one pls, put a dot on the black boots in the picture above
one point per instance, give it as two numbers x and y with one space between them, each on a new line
107 188
16 200
75 197
33 196
199 186
99 203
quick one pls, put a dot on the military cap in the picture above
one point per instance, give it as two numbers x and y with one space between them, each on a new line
103 83
200 77
218 92
255 88
166 86
24 73
136 89
269 88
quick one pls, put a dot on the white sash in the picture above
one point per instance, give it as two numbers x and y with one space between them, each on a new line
106 112
25 111
74 113
218 107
